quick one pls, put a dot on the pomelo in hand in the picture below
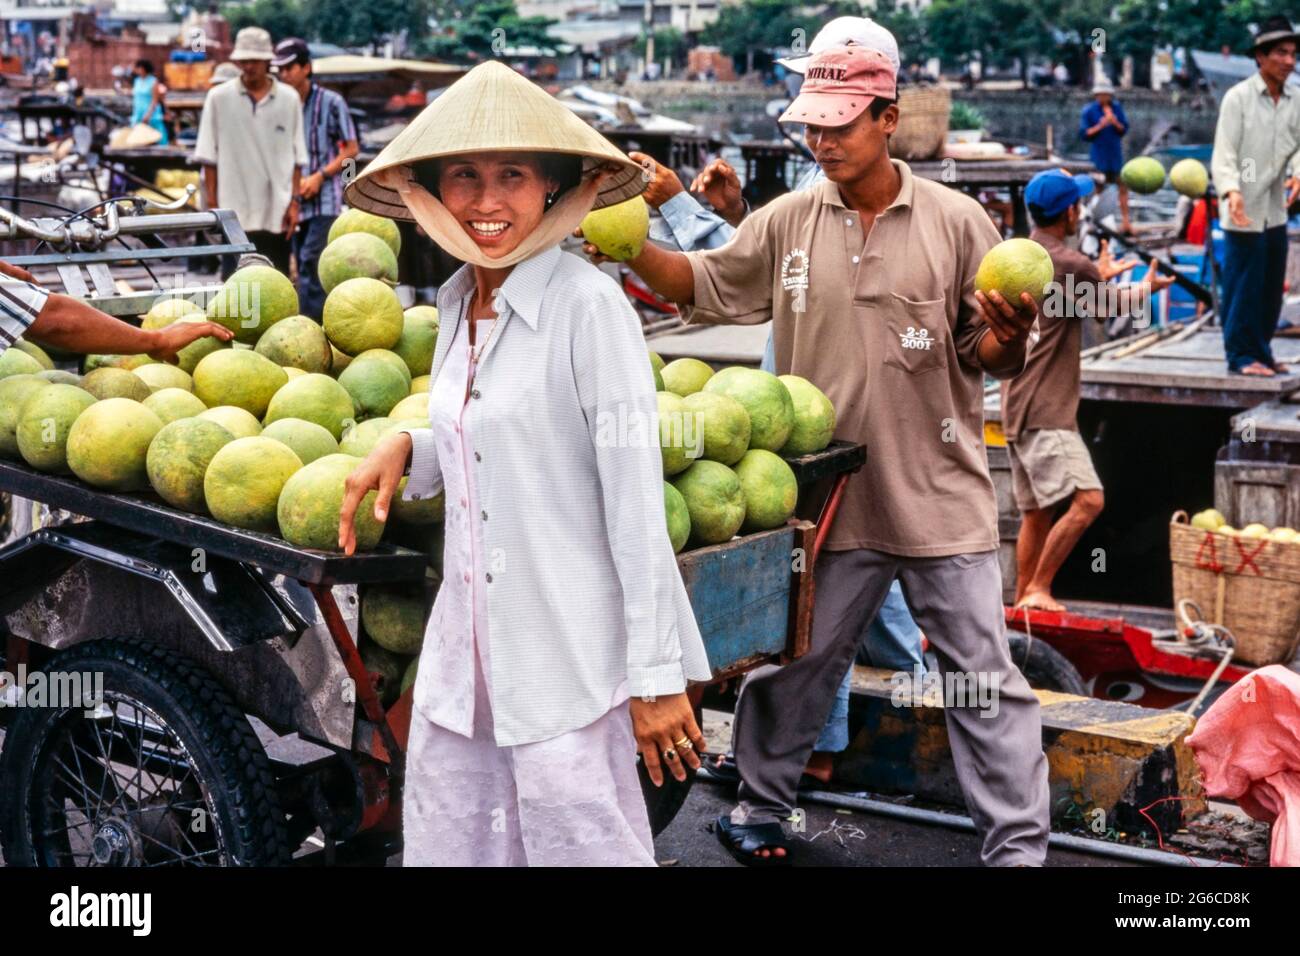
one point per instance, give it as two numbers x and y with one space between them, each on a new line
814 417
714 500
618 231
771 491
308 511
178 459
244 479
109 442
1014 266
768 401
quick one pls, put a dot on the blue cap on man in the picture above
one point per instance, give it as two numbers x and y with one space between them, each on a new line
1054 190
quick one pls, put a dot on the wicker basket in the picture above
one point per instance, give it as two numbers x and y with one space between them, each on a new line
1249 585
922 122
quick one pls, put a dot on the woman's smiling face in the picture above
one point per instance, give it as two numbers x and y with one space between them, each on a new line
498 198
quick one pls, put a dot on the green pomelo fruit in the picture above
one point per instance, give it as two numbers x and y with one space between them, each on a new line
109 442
375 386
362 314
159 375
109 382
234 420
714 500
360 440
44 422
619 231
386 670
308 440
253 299
238 377
722 421
771 410
679 518
189 357
15 392
409 675
394 617
1190 178
36 352
1015 266
679 441
296 342
243 481
771 491
166 311
814 417
358 220
425 511
420 385
173 404
57 376
413 406
353 256
656 361
685 376
178 460
309 507
1143 174
419 339
18 362
314 398
128 362
393 359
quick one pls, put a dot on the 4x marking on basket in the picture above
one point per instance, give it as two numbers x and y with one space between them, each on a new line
1213 563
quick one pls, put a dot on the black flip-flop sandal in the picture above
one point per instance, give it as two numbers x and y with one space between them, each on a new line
727 772
744 840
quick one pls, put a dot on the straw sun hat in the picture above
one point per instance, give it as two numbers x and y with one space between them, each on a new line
491 108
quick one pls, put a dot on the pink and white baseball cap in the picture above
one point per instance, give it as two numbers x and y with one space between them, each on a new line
847 31
839 84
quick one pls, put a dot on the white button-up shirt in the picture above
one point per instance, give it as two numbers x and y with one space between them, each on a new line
584 600
1255 143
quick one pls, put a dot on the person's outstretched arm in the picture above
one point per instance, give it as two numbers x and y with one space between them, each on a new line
74 326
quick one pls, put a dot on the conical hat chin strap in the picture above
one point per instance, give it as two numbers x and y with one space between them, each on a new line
434 218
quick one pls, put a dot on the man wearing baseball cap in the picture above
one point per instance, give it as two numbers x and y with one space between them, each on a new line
331 141
1050 464
251 146
868 279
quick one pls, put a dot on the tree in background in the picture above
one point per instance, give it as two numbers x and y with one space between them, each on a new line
670 44
474 31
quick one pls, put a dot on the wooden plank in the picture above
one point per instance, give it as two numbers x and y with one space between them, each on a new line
1185 373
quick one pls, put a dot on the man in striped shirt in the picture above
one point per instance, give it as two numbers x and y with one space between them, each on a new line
331 142
50 318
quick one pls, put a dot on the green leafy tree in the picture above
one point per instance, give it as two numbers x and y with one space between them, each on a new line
467 30
670 44
280 18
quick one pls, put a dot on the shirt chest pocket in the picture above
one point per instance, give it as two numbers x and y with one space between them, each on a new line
916 333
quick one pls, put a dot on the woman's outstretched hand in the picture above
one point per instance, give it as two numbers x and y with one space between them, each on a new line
666 733
381 470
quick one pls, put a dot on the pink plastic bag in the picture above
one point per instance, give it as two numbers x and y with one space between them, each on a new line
1248 749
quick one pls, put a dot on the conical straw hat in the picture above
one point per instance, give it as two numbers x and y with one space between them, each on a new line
493 108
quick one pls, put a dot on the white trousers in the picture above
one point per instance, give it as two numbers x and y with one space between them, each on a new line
573 800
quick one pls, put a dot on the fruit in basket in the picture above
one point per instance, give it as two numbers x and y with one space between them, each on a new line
35 351
166 311
771 491
296 342
178 459
419 338
308 440
15 392
244 479
714 500
358 220
353 256
723 423
425 511
814 417
1254 530
1143 174
108 382
189 357
680 442
375 385
1227 529
44 422
314 398
360 439
386 670
363 314
159 375
678 517
1189 177
413 406
771 410
109 442
234 420
252 300
239 377
618 231
685 376
394 616
308 511
1208 520
17 362
1284 534
1014 266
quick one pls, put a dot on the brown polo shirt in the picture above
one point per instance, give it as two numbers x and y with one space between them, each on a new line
1046 393
888 327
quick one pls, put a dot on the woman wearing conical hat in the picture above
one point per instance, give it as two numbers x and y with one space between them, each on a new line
561 640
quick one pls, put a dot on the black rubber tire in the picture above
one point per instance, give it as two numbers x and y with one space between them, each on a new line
225 755
1044 666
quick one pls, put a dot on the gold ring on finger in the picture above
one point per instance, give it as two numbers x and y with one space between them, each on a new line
684 742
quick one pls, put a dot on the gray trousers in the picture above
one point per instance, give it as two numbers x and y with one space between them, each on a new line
957 601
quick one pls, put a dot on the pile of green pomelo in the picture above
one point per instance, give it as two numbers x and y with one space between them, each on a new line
723 436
